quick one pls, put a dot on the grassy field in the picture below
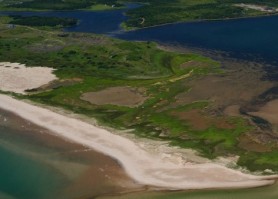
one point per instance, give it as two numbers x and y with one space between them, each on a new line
91 63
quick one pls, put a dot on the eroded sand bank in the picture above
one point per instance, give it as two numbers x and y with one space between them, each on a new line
17 77
147 168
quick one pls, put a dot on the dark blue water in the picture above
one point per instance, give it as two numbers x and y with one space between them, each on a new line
100 22
97 22
255 39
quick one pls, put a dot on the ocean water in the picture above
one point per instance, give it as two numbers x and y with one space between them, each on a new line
269 192
22 175
37 165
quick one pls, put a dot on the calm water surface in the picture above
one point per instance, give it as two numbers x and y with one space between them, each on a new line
253 38
270 192
100 22
23 174
36 165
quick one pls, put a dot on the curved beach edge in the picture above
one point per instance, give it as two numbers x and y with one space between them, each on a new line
145 167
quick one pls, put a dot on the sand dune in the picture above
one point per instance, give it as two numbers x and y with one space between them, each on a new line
17 77
145 167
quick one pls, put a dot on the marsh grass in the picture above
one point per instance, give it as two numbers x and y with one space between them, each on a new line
113 62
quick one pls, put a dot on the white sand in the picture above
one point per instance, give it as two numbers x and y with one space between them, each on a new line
257 7
144 167
15 77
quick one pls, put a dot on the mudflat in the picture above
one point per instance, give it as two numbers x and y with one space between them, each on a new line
120 96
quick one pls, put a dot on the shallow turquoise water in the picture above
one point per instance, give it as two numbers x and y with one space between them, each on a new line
23 176
34 164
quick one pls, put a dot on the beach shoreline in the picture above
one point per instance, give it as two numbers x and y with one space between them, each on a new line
72 168
147 168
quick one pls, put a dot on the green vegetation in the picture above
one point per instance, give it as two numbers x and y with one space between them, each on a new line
43 21
94 63
157 12
55 4
256 161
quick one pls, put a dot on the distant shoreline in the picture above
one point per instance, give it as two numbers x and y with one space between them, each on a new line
130 29
125 28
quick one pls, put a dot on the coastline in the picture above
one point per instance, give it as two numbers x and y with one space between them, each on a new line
130 29
124 28
145 167
52 167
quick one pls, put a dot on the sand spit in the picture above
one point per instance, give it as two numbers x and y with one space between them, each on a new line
15 77
257 7
144 167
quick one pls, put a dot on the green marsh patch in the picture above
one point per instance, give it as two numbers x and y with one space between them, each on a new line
171 106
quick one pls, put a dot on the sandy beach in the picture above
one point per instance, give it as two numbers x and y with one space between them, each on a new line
257 7
72 169
147 168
